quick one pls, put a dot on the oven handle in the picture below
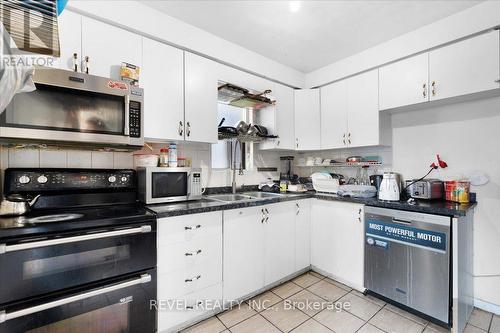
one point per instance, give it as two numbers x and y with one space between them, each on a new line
4 316
126 127
4 248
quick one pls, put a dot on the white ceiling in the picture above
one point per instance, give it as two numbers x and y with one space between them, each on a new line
319 33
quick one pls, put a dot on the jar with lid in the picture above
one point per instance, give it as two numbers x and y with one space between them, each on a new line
172 155
181 162
164 157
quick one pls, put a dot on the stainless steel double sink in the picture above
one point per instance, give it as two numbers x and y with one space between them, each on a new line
247 196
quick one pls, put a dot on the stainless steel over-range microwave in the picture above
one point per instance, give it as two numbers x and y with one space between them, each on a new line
163 185
70 107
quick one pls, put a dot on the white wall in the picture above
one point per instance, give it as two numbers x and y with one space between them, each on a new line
144 20
481 17
467 136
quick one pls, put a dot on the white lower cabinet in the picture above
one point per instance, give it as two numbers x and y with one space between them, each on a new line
189 267
337 242
260 247
302 234
243 252
279 246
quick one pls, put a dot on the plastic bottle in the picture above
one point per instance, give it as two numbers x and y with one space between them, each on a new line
172 155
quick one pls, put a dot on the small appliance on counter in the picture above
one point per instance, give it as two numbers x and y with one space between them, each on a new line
389 187
164 185
425 189
376 180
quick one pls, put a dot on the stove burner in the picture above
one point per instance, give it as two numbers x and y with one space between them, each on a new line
54 218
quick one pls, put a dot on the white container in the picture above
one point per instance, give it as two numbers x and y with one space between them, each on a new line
145 160
172 155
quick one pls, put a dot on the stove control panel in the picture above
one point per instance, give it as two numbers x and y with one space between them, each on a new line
40 180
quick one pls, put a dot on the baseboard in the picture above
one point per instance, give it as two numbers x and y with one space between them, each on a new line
487 306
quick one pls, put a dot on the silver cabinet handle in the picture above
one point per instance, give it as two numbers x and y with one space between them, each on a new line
196 278
297 142
298 209
126 126
181 130
193 228
349 138
343 139
188 130
187 254
263 216
4 316
433 88
191 307
359 214
424 91
4 248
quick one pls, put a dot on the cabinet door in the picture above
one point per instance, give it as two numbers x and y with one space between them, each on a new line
307 119
70 41
243 252
302 234
465 67
322 230
334 115
108 46
279 246
280 120
348 243
200 99
404 82
162 77
363 114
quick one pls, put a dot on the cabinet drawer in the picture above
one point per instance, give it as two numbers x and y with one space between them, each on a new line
172 313
186 281
190 255
188 227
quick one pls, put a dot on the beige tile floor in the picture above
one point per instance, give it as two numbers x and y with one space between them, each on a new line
271 312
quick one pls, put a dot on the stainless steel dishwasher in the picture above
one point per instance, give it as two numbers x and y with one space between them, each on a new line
407 259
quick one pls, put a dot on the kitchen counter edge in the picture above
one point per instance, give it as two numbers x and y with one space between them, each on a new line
205 206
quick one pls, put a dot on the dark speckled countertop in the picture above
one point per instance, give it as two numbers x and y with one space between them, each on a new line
437 207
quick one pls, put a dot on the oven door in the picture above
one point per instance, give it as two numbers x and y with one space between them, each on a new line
68 106
167 186
115 307
40 266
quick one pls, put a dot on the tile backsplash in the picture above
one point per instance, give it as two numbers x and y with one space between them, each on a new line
46 158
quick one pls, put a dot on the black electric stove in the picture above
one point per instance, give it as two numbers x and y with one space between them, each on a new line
86 250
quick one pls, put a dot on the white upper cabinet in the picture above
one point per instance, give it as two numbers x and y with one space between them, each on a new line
162 77
349 113
70 41
108 46
279 119
404 82
307 120
465 67
363 115
200 99
334 115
